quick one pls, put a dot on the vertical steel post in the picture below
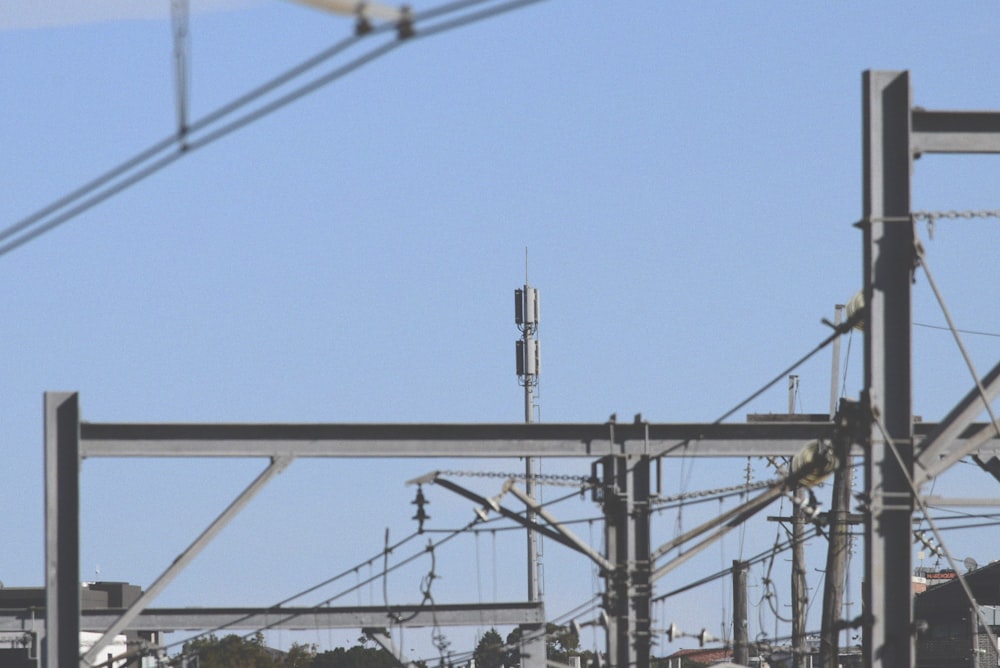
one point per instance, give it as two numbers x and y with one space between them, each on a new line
640 566
888 270
62 530
618 541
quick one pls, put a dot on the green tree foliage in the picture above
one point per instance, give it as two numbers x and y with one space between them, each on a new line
234 651
560 644
490 650
354 657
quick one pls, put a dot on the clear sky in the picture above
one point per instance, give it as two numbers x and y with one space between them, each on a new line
685 176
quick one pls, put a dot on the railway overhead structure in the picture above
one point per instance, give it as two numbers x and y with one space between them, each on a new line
897 452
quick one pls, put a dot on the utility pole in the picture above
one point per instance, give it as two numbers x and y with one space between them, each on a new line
800 592
741 646
837 552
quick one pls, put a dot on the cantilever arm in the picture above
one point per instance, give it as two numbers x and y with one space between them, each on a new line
577 544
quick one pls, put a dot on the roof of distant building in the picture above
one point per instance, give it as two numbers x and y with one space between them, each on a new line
949 598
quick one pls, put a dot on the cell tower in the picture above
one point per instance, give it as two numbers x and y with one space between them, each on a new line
528 366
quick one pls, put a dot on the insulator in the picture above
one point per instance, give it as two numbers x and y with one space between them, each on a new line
421 515
855 305
813 463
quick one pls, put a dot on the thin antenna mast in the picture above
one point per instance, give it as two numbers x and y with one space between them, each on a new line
528 368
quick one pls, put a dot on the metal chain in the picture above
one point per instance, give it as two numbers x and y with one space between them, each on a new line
952 215
564 480
933 216
716 492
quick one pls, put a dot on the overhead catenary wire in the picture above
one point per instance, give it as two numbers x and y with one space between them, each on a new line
357 586
155 158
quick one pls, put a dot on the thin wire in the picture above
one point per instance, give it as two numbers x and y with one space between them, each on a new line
357 587
922 256
963 331
838 330
84 192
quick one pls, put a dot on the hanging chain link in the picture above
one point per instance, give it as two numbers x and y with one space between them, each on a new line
559 479
716 492
933 216
953 215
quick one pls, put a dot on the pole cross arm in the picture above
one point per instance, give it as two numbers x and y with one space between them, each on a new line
955 131
937 451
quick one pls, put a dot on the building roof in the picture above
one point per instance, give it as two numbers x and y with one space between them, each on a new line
949 598
703 655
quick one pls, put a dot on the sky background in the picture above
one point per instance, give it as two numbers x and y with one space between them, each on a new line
685 177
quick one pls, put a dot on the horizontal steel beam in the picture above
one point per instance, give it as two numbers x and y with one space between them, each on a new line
461 440
444 440
955 131
293 619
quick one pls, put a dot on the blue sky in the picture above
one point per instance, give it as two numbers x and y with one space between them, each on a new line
684 175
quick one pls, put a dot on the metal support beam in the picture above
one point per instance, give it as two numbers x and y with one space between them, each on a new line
640 562
386 643
579 544
936 452
590 440
955 131
296 618
617 505
889 259
185 558
62 530
533 648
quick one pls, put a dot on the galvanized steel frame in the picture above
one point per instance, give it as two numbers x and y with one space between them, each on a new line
893 133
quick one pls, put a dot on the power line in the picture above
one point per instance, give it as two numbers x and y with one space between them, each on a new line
962 331
155 158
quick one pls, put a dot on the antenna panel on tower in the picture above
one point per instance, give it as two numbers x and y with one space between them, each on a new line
530 306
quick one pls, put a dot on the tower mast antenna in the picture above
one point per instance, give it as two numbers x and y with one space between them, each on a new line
528 367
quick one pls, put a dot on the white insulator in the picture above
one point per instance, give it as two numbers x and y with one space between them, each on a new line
814 463
856 305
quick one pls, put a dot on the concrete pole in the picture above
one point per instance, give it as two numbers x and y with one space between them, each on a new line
741 639
800 593
836 556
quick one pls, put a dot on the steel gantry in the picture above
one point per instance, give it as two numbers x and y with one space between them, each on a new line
623 450
894 133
